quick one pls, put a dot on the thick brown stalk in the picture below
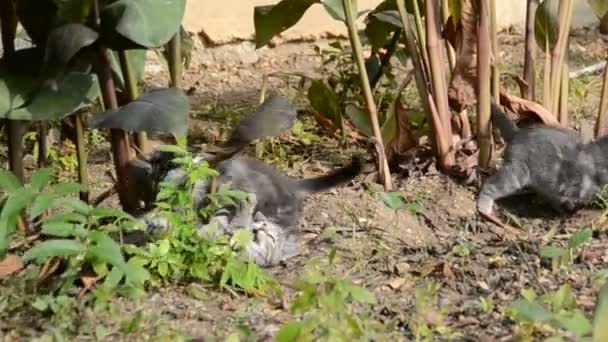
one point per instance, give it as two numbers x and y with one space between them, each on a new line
438 81
43 131
564 117
132 93
119 141
175 60
601 125
383 169
530 52
445 14
547 79
420 73
494 39
81 153
15 130
559 51
484 136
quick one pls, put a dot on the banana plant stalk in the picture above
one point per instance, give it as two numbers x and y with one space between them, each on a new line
81 153
484 136
559 51
529 92
383 169
494 39
132 93
420 34
445 14
437 73
175 60
564 117
601 124
43 132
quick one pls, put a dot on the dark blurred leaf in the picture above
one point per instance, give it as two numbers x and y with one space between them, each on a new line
552 252
336 9
531 311
359 118
147 23
75 11
325 101
270 20
40 178
164 110
546 24
63 43
289 331
137 61
574 322
37 18
8 181
107 250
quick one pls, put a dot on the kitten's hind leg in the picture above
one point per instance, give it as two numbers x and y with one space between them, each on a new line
509 180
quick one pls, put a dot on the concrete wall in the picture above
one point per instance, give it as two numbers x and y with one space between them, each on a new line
229 20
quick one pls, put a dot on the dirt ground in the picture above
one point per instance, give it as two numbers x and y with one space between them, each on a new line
391 252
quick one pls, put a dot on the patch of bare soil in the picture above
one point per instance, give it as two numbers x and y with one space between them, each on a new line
391 252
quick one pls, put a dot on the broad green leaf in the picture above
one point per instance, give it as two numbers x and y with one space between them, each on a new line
50 248
289 332
325 101
63 43
8 181
546 24
137 61
391 17
113 278
600 315
271 20
359 118
75 204
16 202
562 299
552 252
392 199
75 11
65 217
580 237
65 188
163 110
106 249
575 323
147 23
242 237
40 177
335 8
531 311
109 212
42 202
59 229
361 294
163 269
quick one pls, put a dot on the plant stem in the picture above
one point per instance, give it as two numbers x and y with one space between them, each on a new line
494 39
559 51
530 52
132 93
445 14
564 117
601 124
446 157
175 60
484 136
383 169
15 130
420 34
43 131
547 78
81 153
119 141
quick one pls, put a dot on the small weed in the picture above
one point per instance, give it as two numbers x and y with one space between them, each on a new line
563 257
427 322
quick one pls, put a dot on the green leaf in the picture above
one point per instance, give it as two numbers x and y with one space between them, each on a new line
335 8
137 61
599 7
289 332
65 217
361 294
22 97
109 212
163 269
16 202
59 229
546 24
393 199
163 110
8 181
113 278
50 248
580 237
455 7
359 118
552 252
108 250
40 177
147 23
75 204
600 315
42 202
271 20
75 11
63 43
575 323
531 311
66 188
325 101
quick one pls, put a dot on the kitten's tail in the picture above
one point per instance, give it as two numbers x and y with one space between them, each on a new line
507 128
332 179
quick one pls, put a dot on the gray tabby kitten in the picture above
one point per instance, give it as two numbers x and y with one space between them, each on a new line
272 210
552 162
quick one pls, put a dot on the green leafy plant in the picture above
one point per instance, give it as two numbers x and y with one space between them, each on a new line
551 311
564 256
427 322
331 308
182 253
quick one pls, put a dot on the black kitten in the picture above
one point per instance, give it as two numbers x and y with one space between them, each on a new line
552 162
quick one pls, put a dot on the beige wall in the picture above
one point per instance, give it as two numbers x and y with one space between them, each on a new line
227 20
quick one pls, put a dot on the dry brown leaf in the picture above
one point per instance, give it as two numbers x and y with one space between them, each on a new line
404 139
11 264
49 268
24 241
88 281
448 274
396 283
530 109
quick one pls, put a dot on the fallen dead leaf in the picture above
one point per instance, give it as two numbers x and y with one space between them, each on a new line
449 274
11 264
528 109
404 140
49 268
396 283
88 282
